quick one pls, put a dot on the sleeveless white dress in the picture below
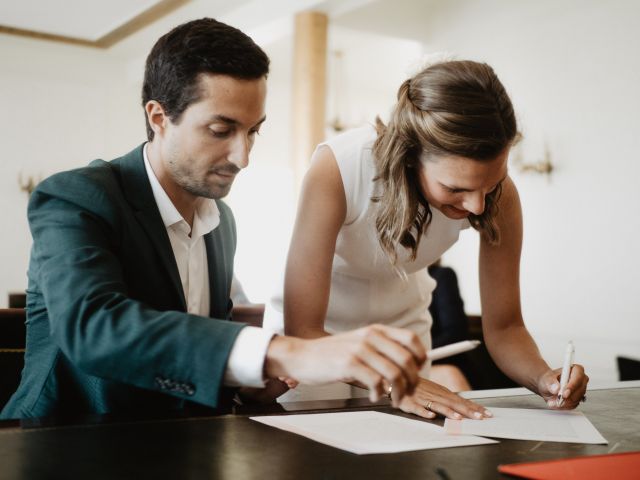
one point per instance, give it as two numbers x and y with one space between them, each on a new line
365 288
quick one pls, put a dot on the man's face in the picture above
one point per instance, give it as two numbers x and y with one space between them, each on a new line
210 142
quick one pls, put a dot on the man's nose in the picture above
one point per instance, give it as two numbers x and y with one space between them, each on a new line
474 203
239 153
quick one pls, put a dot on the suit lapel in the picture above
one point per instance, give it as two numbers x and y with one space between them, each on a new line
138 191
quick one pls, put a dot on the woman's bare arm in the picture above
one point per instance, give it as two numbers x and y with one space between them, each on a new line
321 213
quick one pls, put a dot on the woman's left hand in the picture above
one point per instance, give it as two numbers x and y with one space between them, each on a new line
573 394
430 398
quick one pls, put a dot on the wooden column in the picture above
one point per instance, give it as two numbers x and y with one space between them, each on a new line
309 87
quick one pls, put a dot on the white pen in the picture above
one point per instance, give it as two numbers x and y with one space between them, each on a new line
452 349
566 369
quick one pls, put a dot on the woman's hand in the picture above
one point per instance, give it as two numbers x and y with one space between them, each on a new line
430 398
549 385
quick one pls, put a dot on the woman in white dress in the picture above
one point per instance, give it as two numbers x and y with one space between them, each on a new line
381 203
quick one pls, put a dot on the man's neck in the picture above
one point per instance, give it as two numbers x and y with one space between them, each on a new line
185 202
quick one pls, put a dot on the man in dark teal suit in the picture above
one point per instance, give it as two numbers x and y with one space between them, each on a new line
128 301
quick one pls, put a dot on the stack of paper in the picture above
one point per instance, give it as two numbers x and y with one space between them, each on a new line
370 432
375 432
530 424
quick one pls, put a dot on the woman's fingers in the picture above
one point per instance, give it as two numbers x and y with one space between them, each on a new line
437 398
409 405
576 395
456 408
571 395
577 384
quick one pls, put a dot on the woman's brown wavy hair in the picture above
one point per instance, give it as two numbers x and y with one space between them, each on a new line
455 108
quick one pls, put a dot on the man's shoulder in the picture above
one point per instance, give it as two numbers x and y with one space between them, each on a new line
97 172
98 183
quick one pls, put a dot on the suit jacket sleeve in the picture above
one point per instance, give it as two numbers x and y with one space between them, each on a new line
77 226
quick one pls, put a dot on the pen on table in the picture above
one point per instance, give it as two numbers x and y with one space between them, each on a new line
452 349
442 473
566 370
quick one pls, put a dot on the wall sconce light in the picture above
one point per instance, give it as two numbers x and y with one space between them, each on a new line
542 166
28 185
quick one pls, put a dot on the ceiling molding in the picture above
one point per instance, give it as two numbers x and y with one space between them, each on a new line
138 22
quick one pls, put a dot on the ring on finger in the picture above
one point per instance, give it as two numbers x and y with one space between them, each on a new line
389 390
429 405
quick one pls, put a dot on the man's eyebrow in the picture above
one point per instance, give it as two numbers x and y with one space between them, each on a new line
223 119
232 121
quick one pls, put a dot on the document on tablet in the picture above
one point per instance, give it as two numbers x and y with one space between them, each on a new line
530 424
365 432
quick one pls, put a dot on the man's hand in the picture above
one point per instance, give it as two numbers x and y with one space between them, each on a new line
374 356
273 389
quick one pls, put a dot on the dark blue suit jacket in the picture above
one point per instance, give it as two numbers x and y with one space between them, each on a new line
106 324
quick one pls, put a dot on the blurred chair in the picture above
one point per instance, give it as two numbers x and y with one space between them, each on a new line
485 374
17 300
628 368
12 344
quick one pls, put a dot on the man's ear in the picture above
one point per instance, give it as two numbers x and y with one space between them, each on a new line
156 117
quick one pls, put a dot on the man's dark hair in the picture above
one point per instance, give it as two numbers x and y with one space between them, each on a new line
193 48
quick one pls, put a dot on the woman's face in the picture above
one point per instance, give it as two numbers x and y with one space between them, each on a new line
457 186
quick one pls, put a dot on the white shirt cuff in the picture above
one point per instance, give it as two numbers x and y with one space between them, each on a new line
245 366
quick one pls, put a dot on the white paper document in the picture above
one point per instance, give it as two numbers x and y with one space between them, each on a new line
370 432
530 424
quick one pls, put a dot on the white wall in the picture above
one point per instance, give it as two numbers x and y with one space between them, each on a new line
573 71
56 114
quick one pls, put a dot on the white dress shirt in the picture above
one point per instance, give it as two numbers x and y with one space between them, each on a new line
246 360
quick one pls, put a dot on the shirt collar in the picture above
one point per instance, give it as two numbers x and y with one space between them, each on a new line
207 216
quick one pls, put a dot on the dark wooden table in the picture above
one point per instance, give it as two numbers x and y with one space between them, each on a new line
235 447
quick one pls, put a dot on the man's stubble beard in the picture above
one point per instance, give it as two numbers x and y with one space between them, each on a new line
189 181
